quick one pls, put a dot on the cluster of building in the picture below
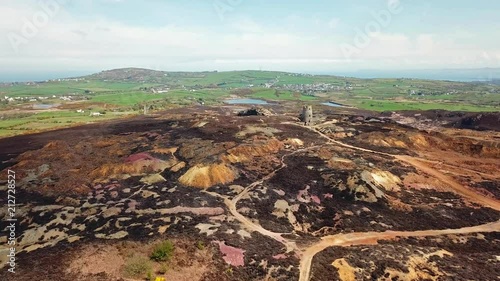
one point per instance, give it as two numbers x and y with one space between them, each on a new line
66 80
160 90
424 93
314 88
69 98
74 97
271 83
23 99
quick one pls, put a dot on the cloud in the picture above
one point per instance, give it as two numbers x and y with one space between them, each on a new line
248 25
393 2
70 43
334 23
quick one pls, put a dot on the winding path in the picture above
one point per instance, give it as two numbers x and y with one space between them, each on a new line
250 225
360 238
371 238
420 164
457 187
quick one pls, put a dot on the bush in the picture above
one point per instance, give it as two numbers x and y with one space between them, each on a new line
200 245
163 269
137 267
162 251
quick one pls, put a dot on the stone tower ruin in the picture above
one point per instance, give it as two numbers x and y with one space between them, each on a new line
307 115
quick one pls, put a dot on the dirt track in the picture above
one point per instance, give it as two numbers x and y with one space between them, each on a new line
232 206
419 164
458 188
371 238
366 238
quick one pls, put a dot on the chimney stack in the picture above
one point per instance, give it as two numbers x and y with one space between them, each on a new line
307 115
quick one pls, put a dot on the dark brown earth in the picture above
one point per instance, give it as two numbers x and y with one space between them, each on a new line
177 175
459 120
467 257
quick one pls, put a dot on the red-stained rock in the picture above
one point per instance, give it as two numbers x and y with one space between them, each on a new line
232 255
139 156
280 257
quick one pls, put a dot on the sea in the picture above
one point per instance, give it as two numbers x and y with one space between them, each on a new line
458 75
9 77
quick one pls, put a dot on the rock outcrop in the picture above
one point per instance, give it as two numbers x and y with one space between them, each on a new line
256 111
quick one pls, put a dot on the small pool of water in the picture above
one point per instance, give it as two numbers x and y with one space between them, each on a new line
246 101
44 106
333 104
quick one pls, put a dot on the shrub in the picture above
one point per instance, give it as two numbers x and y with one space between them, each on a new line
200 245
163 268
137 267
162 251
149 276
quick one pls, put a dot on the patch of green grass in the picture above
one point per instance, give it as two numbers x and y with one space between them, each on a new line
208 96
10 123
59 88
163 251
10 133
138 267
200 245
381 105
44 121
128 98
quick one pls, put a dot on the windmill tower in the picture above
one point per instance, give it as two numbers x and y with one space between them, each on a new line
307 115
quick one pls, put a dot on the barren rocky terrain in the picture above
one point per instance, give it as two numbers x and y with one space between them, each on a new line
357 196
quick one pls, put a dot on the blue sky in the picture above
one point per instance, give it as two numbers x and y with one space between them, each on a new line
301 36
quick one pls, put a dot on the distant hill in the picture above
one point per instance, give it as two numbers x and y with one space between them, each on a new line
142 75
207 78
491 75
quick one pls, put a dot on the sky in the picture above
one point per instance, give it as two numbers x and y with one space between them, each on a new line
315 36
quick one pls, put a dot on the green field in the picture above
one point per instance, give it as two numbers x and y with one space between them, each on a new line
381 105
127 98
36 122
69 87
